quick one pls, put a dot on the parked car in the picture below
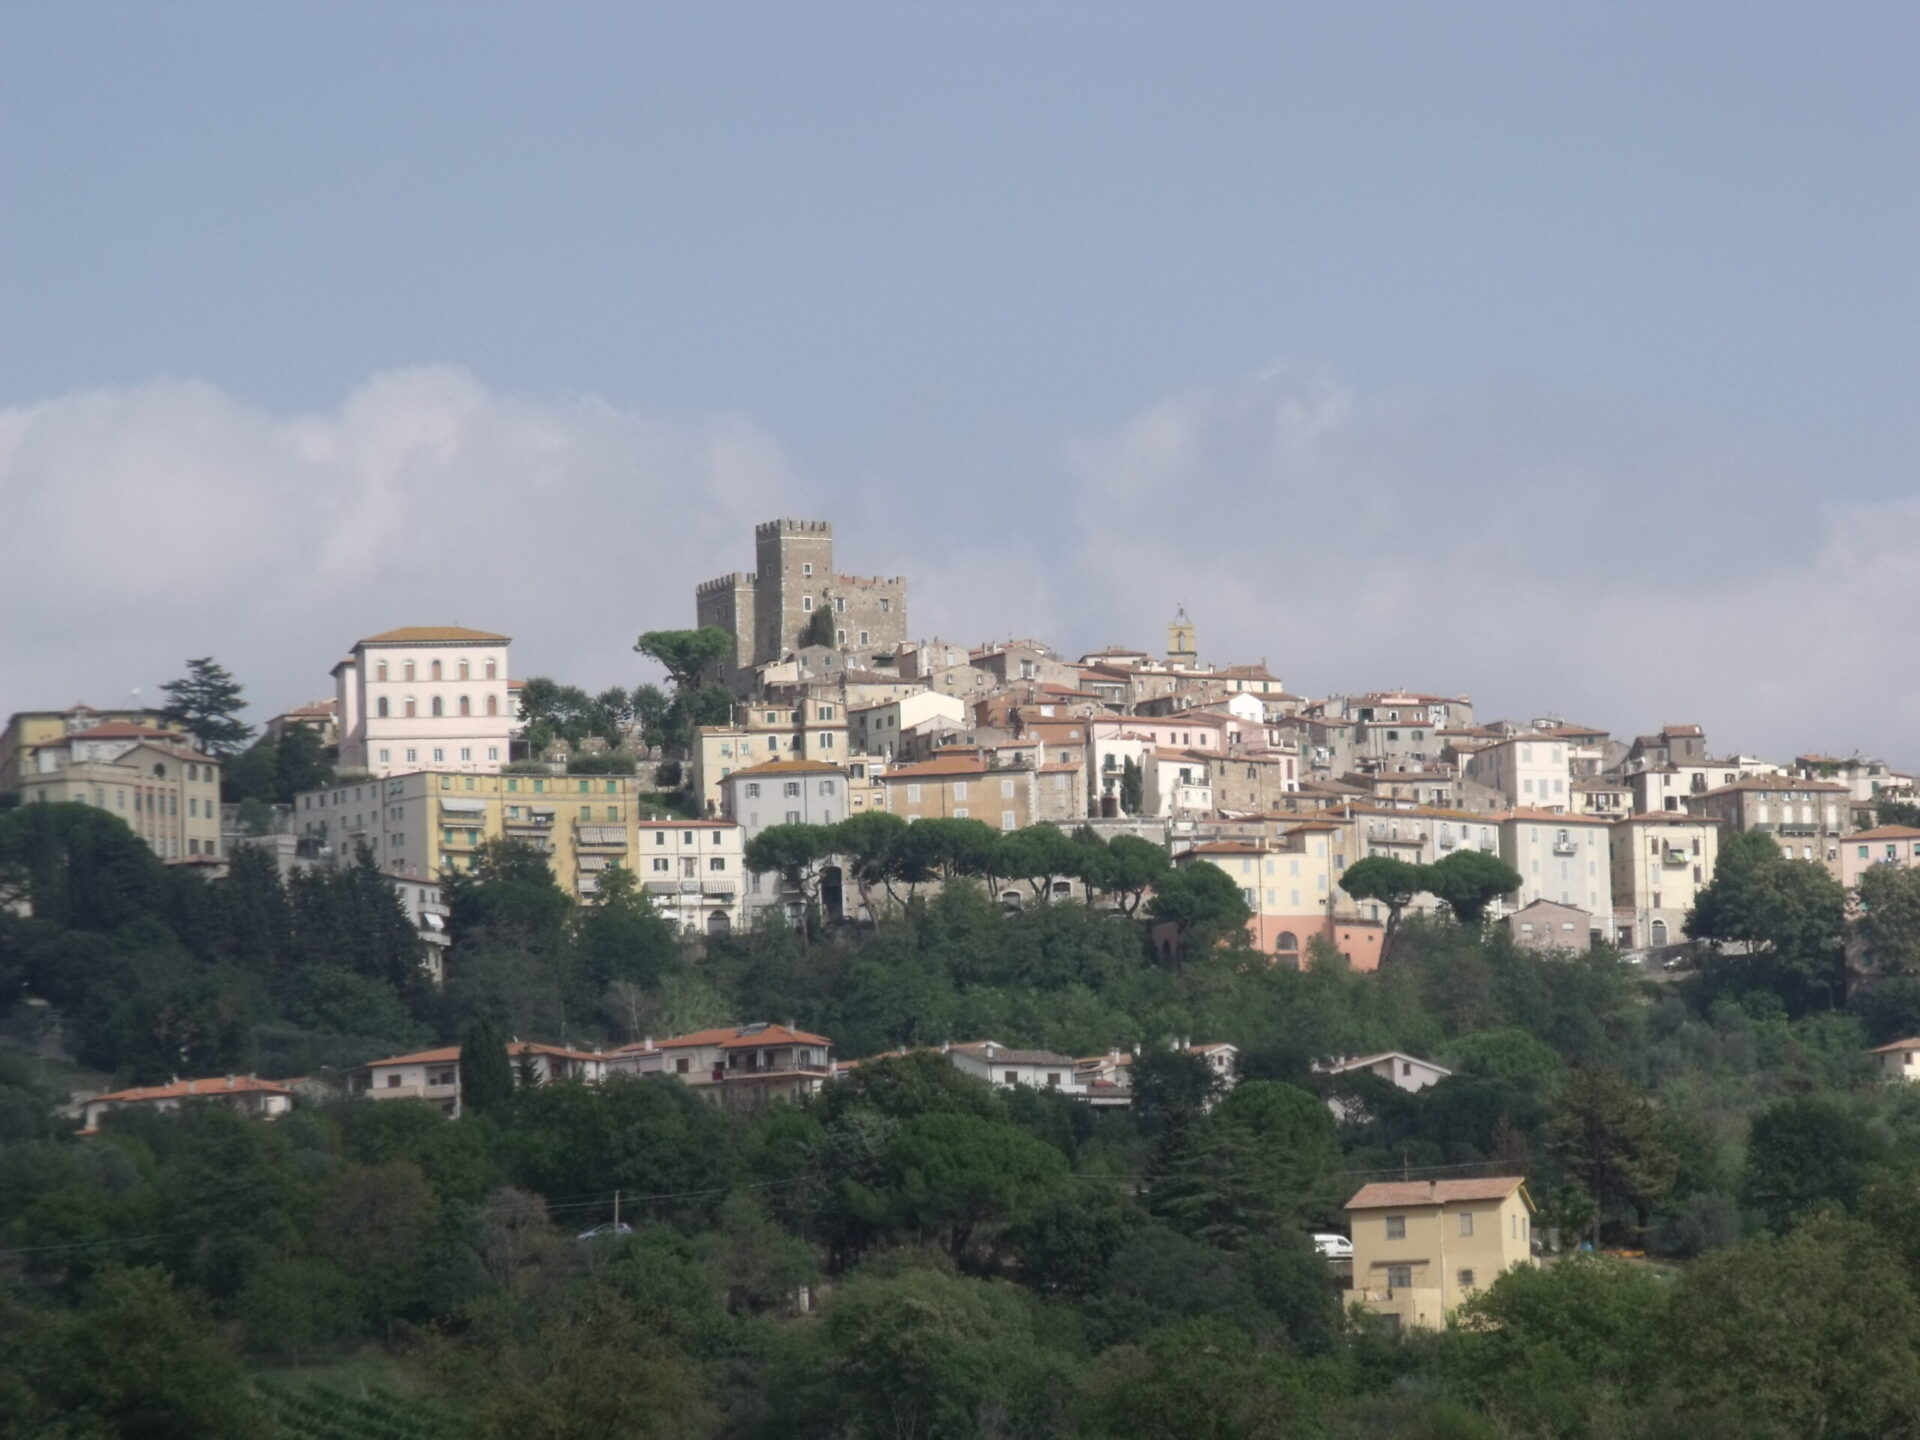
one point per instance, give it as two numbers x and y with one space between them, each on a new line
1333 1247
607 1231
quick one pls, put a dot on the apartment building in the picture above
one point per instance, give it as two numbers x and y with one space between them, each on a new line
1288 882
425 697
1531 772
434 1075
785 792
962 787
876 729
1422 1248
167 791
1808 819
812 728
28 730
1561 857
248 1094
1661 862
1896 845
423 826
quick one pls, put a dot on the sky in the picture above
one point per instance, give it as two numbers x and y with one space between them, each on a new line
1560 355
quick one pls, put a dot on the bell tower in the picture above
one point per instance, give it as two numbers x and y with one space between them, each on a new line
1183 647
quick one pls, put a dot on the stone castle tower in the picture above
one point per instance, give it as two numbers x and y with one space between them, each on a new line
768 612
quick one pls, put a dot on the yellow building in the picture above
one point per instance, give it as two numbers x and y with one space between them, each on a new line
167 791
962 788
427 824
1422 1248
814 729
28 730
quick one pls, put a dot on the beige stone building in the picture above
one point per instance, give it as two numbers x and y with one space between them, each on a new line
961 788
425 697
1661 862
1808 819
877 729
1531 771
28 730
1546 925
742 1067
1422 1248
812 728
168 792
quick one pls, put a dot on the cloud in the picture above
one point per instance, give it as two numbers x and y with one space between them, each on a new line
147 524
1622 571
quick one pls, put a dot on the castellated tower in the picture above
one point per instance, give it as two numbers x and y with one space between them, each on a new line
769 611
793 560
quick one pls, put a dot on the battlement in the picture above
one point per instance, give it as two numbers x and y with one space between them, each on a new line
864 581
794 527
735 581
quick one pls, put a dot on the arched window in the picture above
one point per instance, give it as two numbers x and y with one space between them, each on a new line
406 669
1658 933
465 669
438 705
159 772
412 708
380 670
434 670
1287 941
490 670
380 707
466 706
493 704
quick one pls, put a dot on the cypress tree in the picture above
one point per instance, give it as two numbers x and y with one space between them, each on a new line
486 1075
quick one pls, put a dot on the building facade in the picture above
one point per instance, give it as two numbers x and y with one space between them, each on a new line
1561 857
1661 862
168 792
1422 1248
425 697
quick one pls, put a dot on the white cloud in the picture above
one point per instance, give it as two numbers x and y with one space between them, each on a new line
1615 570
148 524
1622 572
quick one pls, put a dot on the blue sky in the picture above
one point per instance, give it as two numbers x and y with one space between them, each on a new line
1484 347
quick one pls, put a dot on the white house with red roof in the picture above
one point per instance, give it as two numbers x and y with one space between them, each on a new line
743 1067
434 1075
248 1094
425 697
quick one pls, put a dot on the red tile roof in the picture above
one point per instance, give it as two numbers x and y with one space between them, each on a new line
181 1089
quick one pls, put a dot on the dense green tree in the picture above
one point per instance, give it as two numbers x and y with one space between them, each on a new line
1036 854
1783 919
1390 881
1264 1161
1807 1152
1171 1089
1132 787
1607 1140
1469 881
206 703
622 937
1889 920
486 1074
686 655
81 867
950 1174
1813 1334
1202 902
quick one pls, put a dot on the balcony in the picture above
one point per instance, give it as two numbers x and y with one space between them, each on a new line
1671 856
532 820
1446 842
721 889
599 837
1565 847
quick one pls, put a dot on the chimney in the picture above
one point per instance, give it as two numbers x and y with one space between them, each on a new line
989 1050
230 1081
647 1045
189 1087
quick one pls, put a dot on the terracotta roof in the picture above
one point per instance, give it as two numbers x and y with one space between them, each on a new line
452 1052
1395 1194
785 767
1777 782
949 765
181 1089
734 1037
1360 1062
434 635
1912 1044
1887 832
978 1049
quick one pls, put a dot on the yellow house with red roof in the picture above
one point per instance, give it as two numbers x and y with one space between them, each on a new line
1422 1248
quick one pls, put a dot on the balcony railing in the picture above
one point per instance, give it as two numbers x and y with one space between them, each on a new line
1565 847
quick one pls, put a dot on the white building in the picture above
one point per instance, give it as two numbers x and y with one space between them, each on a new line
1530 771
1561 857
425 697
1009 1068
246 1093
876 729
1399 1069
693 872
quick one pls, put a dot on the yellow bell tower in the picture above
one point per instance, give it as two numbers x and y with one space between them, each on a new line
1183 647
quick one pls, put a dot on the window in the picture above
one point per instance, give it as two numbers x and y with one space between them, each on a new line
806 602
680 1066
753 789
1008 821
661 863
1399 1277
413 757
439 756
412 707
1466 1222
493 705
1006 789
380 707
960 790
490 670
863 634
406 670
792 787
1466 1279
716 862
1011 1077
1053 1079
839 637
466 705
434 670
826 787
439 706
913 794
385 755
466 667
793 817
380 670
1396 1227
806 567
